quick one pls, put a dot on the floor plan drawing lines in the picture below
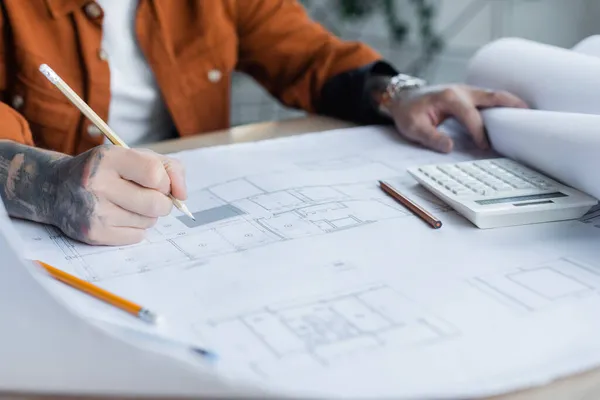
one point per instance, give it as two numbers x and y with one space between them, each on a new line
541 286
307 199
326 330
337 164
324 172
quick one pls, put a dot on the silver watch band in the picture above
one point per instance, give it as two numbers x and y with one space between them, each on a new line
398 86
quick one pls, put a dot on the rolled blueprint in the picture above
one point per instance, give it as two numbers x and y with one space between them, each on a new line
560 135
590 46
546 77
561 145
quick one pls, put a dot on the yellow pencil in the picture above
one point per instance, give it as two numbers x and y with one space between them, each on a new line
96 120
101 294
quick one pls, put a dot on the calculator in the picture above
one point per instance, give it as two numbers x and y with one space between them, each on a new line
501 192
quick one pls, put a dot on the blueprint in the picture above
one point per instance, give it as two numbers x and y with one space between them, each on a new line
307 279
306 199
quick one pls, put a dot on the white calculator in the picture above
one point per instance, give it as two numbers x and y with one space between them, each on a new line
500 192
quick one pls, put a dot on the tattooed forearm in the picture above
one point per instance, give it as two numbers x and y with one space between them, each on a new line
48 187
28 185
376 86
75 199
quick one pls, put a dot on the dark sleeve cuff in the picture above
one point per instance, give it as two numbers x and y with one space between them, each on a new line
346 96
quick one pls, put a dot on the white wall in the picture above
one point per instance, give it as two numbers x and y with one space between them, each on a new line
466 24
557 22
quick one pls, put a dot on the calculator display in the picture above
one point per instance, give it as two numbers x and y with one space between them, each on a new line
541 196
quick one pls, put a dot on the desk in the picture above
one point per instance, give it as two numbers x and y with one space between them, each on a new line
581 387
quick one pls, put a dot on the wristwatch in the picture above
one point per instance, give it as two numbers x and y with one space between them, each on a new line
397 88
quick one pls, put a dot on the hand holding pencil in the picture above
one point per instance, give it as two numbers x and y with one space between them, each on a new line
111 194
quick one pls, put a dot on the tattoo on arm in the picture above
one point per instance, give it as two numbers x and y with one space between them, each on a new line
49 187
376 86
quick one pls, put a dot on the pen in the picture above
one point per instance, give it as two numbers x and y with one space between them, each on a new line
203 352
128 306
96 120
411 205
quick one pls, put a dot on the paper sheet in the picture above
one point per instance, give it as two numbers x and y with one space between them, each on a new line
589 46
306 279
46 349
546 77
560 134
562 145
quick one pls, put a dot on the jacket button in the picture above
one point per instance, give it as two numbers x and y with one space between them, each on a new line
214 75
92 10
93 130
102 54
17 102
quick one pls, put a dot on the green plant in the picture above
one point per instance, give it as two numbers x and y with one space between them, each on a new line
430 42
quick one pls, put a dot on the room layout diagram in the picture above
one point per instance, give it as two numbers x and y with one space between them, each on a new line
530 289
311 199
323 331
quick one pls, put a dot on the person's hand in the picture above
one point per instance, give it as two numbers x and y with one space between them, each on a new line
418 115
110 195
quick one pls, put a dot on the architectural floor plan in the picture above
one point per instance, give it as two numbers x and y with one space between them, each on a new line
326 330
542 286
302 274
255 211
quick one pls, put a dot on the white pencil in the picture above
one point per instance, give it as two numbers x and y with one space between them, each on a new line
96 120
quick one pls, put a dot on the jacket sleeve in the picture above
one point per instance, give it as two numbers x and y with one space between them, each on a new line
290 55
349 96
13 126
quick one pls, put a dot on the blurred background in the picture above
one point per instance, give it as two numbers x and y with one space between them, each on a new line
433 39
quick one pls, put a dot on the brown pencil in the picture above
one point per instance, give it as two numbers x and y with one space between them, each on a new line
411 205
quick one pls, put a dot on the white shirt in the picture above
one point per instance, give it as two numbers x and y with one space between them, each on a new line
137 112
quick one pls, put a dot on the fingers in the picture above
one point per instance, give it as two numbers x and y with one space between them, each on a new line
154 171
432 138
116 236
464 103
142 167
422 131
120 218
491 98
459 104
176 174
137 199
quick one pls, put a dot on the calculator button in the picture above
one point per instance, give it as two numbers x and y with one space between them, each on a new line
449 169
504 186
461 192
429 171
524 185
544 186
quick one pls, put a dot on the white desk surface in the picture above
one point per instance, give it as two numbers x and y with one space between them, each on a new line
581 387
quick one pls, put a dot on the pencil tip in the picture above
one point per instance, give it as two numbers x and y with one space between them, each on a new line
148 316
205 353
186 211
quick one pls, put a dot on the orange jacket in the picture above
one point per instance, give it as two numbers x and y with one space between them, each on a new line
184 41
